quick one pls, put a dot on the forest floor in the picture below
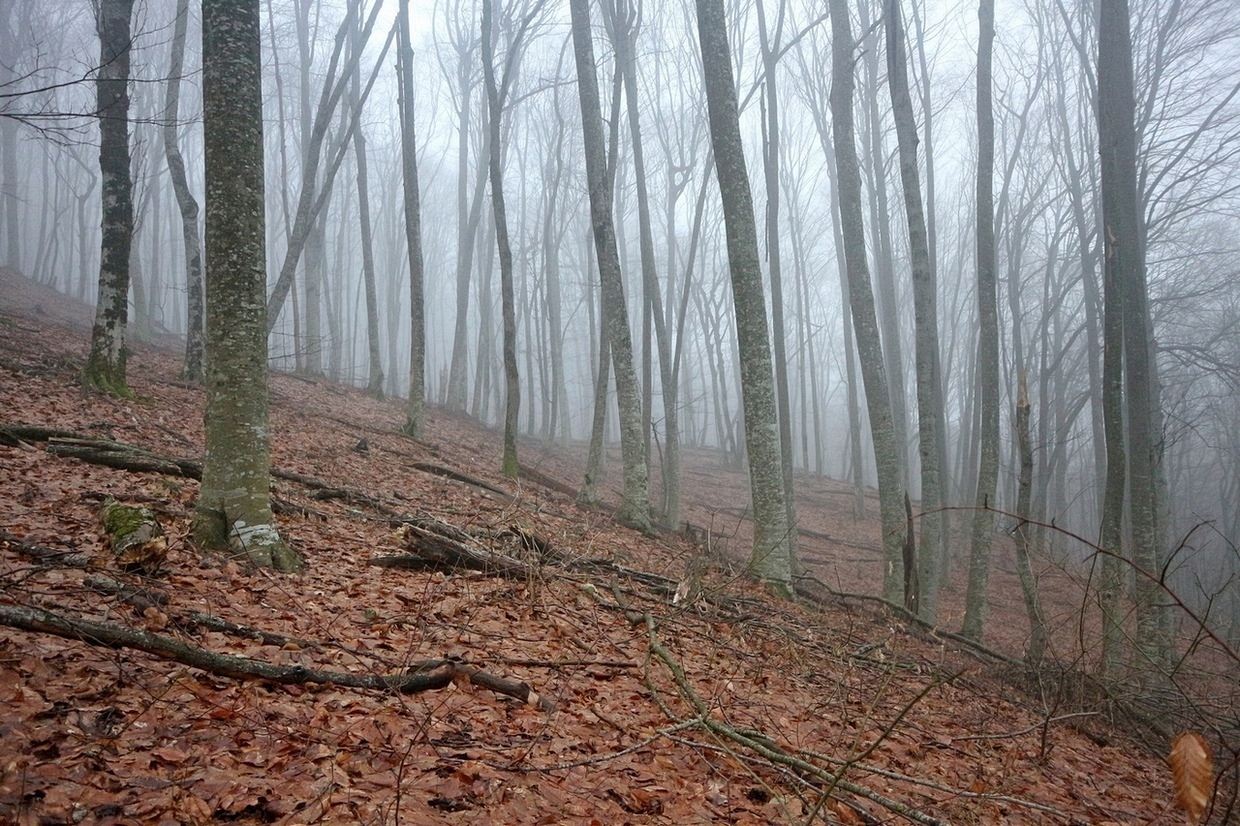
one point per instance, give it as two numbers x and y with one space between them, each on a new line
730 707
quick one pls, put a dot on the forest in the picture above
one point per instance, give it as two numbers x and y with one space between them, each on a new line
921 313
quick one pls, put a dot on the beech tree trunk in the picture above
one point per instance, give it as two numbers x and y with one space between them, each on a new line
635 510
374 377
233 511
772 558
987 385
769 42
925 314
887 450
415 409
1125 269
512 380
105 367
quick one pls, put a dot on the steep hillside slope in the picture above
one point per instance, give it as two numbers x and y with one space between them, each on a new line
729 707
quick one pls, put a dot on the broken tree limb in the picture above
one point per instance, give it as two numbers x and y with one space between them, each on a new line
430 546
464 479
433 674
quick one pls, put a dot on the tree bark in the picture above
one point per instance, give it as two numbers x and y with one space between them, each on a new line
1125 266
635 510
925 314
512 380
105 367
415 409
887 450
987 386
772 558
374 378
234 508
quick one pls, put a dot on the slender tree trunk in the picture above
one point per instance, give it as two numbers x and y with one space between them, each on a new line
374 377
415 409
887 450
1025 535
987 337
925 312
105 367
1125 257
10 201
234 507
635 510
512 381
773 554
770 45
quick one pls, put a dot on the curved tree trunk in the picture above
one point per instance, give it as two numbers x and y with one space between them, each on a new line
194 336
887 450
635 510
772 558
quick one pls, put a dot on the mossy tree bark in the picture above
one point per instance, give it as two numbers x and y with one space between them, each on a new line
635 509
234 507
887 450
773 551
105 367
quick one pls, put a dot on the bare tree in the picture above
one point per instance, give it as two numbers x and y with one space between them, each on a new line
415 411
105 367
924 600
887 450
635 510
987 384
772 558
234 506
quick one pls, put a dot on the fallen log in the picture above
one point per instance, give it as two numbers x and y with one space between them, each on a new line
426 676
440 550
137 539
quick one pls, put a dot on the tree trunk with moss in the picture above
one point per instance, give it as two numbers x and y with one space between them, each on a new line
233 512
105 367
772 552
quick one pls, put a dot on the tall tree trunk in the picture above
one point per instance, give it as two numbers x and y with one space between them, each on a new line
624 27
415 409
1025 533
635 510
772 558
887 450
468 216
374 377
512 381
770 45
105 367
925 313
1125 257
234 506
987 336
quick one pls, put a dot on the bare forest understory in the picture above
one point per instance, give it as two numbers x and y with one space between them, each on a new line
560 685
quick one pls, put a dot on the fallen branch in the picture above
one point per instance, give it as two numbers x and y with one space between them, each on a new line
443 548
430 675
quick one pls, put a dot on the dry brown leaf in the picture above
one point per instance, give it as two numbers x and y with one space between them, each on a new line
1192 768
